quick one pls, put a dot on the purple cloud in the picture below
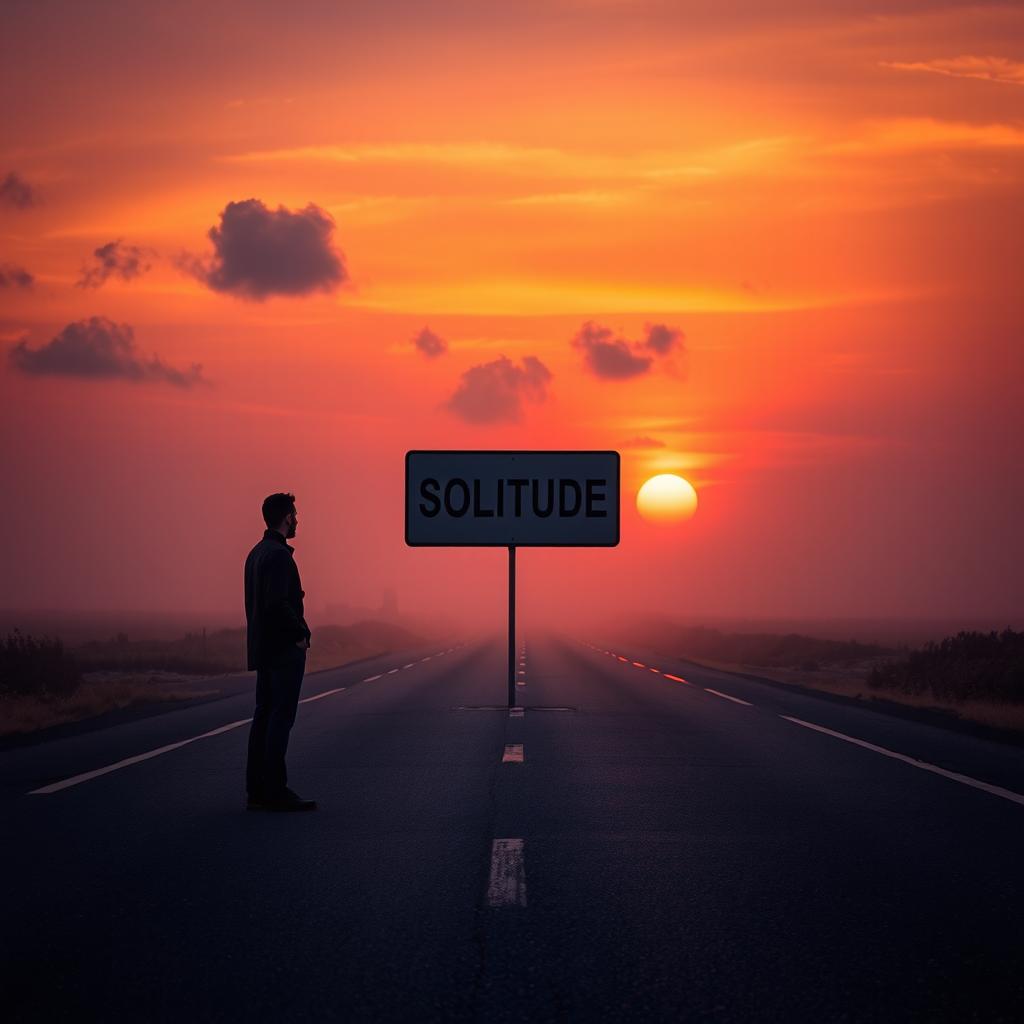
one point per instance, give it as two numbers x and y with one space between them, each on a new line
17 192
259 252
430 344
608 356
98 348
115 259
15 277
495 392
662 339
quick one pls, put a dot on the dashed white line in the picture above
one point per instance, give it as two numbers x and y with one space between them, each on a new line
513 754
320 696
370 679
410 665
507 884
515 712
1006 794
677 679
96 773
726 696
391 671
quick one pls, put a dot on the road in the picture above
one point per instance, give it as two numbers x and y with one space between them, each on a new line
648 841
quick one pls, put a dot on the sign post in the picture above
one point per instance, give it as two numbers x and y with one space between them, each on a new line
512 499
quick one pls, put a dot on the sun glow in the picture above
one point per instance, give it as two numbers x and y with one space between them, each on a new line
666 498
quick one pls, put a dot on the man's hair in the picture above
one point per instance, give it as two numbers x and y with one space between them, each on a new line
276 507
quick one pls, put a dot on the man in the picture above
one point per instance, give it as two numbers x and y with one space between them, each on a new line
278 638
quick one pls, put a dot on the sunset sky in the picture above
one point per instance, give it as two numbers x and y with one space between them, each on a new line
774 246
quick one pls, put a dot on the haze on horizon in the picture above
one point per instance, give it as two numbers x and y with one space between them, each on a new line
772 247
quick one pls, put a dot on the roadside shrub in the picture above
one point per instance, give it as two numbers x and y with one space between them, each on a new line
968 666
37 667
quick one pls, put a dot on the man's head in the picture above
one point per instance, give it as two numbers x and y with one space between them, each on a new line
279 514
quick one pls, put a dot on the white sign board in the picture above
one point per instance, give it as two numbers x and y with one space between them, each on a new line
512 499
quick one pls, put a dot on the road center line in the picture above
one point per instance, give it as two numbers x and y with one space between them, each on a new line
96 773
410 665
507 885
677 679
726 696
513 753
1006 794
370 679
391 671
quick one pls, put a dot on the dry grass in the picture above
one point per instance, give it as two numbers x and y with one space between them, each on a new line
99 692
849 679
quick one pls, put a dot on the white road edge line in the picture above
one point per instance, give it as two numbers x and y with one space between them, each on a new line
1006 794
320 696
55 787
513 754
726 696
507 884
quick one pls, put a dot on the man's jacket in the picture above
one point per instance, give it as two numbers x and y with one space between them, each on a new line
273 601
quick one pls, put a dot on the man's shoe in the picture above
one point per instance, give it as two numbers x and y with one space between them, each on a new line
289 801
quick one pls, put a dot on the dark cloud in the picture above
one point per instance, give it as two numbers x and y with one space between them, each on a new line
98 348
115 259
15 277
430 344
260 252
642 442
662 339
608 356
17 192
494 392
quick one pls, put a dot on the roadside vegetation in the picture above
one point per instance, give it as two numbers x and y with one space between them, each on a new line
975 676
44 683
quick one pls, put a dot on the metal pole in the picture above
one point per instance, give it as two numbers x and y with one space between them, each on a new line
511 625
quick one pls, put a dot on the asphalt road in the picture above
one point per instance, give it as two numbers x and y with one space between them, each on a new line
656 851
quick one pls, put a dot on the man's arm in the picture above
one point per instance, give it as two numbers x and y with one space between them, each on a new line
277 574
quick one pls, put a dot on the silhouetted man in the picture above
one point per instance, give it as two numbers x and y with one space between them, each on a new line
278 638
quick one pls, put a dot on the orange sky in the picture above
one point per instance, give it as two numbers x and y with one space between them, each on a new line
824 199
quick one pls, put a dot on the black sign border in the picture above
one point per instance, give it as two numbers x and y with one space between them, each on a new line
516 451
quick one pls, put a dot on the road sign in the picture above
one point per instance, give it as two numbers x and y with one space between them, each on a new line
512 498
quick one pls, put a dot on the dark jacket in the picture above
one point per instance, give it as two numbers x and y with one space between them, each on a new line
273 600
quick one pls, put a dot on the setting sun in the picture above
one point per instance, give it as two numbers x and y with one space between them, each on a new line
666 498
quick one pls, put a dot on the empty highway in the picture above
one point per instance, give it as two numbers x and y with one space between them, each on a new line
646 840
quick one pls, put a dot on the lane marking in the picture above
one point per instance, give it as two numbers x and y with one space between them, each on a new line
320 696
726 696
513 754
427 658
392 671
678 679
410 665
96 773
515 712
370 679
1006 794
507 884
639 664
621 658
520 682
658 670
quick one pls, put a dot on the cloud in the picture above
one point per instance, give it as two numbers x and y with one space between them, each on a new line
15 277
259 252
662 339
608 356
99 348
16 191
115 259
494 392
618 359
642 442
430 344
990 69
